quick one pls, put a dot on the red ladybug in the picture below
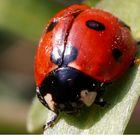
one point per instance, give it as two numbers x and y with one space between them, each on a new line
82 50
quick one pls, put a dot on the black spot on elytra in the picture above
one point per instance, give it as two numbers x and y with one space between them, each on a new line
124 24
95 25
51 26
56 56
117 54
61 57
70 54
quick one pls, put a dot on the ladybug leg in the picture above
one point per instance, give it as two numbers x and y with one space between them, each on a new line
138 42
137 60
99 98
100 101
52 122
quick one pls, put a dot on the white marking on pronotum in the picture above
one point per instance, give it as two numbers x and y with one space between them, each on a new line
88 97
50 102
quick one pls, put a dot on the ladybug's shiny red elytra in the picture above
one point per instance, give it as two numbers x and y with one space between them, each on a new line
81 51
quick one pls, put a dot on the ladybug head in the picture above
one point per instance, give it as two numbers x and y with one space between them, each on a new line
67 89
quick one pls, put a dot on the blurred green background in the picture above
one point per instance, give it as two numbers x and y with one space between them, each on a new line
21 25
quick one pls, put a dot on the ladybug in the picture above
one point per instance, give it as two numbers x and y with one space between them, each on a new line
81 51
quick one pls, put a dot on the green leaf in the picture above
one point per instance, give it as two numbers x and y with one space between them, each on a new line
36 117
122 95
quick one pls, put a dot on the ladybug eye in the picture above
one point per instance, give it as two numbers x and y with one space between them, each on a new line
95 25
51 26
116 53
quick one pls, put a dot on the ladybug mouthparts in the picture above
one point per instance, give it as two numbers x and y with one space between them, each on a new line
68 89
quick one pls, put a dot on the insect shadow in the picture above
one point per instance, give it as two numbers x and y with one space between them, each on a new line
114 94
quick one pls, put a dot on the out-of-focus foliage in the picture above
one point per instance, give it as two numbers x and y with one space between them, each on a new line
69 2
21 24
27 17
